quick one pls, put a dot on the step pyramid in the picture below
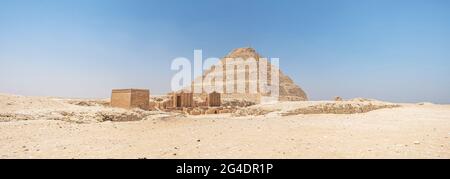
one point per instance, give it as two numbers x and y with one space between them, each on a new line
288 90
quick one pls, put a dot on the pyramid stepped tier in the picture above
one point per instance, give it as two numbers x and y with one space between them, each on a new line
250 87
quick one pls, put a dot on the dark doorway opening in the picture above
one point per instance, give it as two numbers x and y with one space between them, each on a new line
178 101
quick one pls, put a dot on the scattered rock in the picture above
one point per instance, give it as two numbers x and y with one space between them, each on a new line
212 111
362 100
237 103
251 112
224 111
339 108
337 98
196 112
85 115
88 103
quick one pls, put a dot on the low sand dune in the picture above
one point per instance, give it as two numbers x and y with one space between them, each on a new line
39 127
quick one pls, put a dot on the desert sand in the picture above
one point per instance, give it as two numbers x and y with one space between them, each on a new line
45 127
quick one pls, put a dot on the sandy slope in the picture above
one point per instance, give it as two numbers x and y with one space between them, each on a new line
409 131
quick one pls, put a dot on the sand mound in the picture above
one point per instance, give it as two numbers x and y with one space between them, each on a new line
289 108
89 102
339 108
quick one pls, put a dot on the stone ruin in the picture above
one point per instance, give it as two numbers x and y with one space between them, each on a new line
213 99
176 101
182 100
188 103
130 98
215 102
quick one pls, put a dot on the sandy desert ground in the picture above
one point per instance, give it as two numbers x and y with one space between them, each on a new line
40 127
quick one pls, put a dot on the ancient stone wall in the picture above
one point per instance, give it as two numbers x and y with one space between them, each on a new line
182 99
121 98
140 99
214 100
130 98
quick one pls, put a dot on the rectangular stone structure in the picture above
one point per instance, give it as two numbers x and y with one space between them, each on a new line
183 100
214 100
130 98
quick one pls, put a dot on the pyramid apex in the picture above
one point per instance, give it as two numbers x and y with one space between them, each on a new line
244 52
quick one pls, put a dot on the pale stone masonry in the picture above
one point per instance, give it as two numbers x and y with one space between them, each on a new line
288 90
182 100
130 98
213 99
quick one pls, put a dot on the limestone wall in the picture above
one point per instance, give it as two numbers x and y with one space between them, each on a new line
121 98
140 99
130 98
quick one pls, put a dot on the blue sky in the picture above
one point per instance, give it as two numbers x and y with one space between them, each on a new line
395 50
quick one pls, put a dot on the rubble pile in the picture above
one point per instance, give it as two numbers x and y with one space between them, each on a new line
339 108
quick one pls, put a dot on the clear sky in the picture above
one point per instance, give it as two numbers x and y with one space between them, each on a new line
395 50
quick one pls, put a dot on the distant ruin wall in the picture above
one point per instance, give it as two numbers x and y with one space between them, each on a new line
130 98
140 99
120 99
182 100
214 99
